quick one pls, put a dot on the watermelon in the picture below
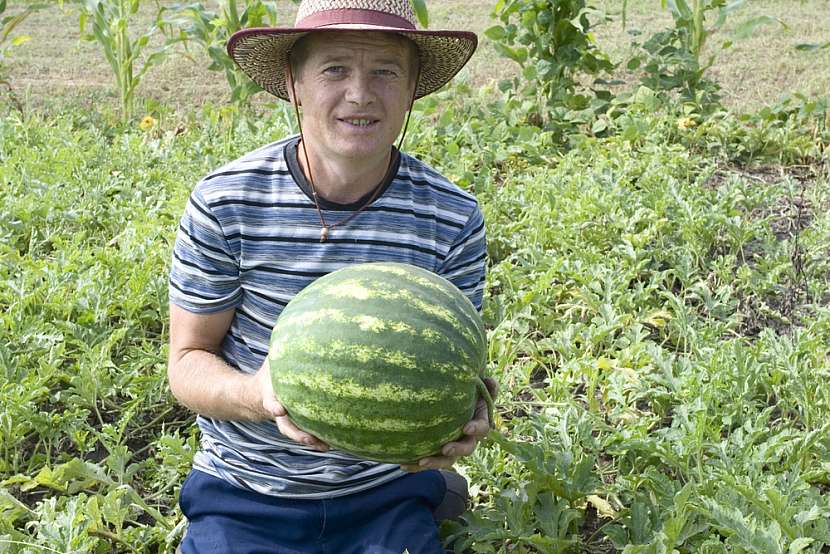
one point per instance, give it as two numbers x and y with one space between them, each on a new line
381 360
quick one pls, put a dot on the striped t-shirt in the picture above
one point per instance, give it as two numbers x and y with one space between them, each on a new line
249 240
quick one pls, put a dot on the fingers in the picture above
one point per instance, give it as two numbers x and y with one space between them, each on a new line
462 447
492 386
270 405
273 407
449 454
277 412
433 462
480 425
290 430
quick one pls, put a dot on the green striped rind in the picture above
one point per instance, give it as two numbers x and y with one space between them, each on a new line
382 360
430 301
378 446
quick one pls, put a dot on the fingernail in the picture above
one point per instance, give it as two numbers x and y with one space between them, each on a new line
308 441
449 452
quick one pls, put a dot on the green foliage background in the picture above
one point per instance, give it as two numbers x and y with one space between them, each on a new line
656 303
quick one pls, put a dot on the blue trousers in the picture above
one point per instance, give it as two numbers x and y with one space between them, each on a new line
388 519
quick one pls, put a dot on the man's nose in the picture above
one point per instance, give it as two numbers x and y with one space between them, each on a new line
359 89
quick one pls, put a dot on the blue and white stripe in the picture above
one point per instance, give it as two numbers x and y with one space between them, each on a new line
249 241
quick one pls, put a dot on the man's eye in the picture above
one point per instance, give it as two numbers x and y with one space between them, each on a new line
386 73
334 70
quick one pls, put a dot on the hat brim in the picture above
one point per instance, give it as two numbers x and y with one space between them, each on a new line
262 53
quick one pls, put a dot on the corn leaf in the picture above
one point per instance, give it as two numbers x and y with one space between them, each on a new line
421 13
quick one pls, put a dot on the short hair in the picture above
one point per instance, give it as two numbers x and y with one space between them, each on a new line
299 52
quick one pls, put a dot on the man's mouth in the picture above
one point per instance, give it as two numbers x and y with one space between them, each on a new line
359 122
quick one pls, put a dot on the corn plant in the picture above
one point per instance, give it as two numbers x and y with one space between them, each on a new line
420 7
210 30
552 41
110 21
671 59
7 25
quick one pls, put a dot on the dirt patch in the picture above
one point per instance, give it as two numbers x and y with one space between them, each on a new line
594 542
783 308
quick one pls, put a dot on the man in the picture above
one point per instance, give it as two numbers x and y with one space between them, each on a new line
263 227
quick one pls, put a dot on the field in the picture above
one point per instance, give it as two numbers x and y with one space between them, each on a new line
657 300
55 65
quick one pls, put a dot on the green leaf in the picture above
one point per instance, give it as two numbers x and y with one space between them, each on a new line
724 12
22 39
680 9
800 544
811 47
747 28
518 55
11 508
496 32
421 12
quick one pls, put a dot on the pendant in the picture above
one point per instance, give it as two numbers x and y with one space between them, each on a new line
324 233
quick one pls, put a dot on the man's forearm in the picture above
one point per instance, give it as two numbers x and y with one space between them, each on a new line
203 382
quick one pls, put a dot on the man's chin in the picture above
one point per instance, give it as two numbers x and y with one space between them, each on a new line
364 149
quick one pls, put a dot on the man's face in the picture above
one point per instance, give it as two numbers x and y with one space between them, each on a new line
355 90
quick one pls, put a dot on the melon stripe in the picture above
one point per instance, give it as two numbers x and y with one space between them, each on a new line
319 354
380 392
355 287
408 448
375 325
461 304
339 419
353 396
346 346
356 290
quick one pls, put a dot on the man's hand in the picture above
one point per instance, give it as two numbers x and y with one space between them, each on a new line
271 407
276 411
474 431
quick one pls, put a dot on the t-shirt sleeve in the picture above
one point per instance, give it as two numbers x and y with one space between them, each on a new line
204 273
465 262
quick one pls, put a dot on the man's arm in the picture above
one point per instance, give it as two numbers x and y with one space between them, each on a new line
201 380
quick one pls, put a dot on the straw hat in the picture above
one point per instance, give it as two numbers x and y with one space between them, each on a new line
263 53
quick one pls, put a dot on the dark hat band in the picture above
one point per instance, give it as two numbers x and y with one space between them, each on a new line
353 16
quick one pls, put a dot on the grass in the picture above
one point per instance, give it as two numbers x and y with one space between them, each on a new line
754 72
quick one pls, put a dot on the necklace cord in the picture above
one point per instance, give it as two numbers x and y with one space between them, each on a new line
305 153
411 105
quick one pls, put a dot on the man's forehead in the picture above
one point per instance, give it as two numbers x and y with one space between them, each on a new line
338 44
